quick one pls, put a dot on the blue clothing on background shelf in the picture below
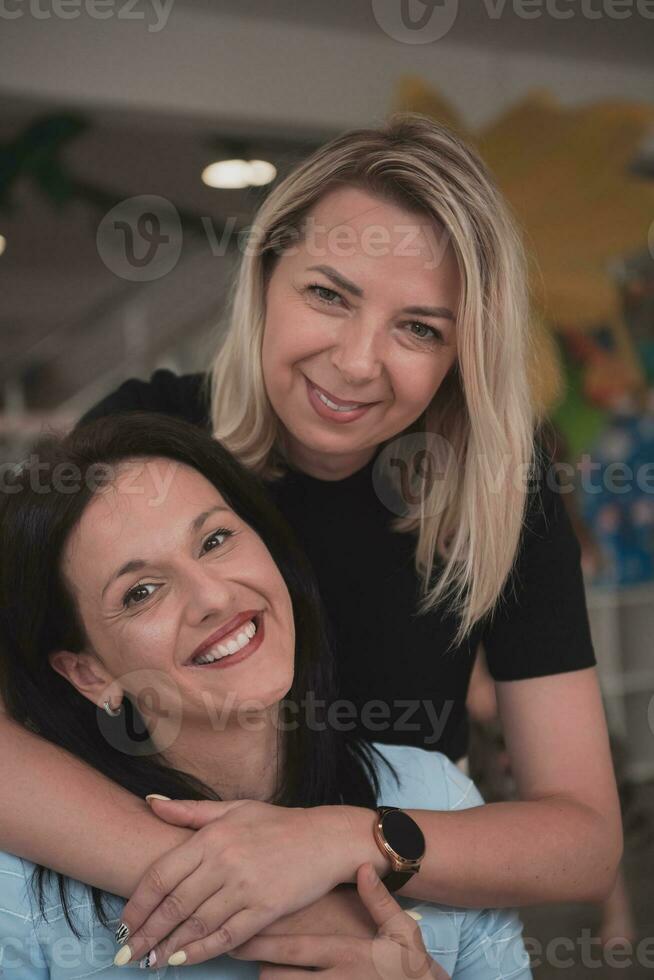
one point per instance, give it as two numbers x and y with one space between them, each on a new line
470 944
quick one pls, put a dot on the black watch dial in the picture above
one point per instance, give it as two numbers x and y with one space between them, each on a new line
404 835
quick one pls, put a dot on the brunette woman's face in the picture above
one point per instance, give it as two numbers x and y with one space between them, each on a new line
162 568
349 365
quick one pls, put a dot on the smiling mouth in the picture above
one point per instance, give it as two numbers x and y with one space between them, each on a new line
244 638
337 404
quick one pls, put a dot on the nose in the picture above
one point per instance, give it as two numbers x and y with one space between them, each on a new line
357 355
208 593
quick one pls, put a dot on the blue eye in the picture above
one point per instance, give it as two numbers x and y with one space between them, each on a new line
430 333
317 289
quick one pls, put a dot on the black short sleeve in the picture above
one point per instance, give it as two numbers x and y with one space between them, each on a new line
184 396
541 624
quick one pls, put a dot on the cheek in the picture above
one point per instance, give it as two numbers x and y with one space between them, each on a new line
415 385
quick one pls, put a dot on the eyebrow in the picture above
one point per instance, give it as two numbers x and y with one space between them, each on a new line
442 312
135 564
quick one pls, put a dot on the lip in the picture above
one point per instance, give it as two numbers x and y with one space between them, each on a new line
325 412
228 627
236 658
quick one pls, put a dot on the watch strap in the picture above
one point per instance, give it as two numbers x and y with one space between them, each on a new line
394 880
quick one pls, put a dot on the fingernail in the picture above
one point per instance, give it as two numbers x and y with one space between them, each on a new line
156 796
122 933
148 960
123 956
414 915
177 958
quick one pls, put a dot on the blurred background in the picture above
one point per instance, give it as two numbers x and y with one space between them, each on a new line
136 142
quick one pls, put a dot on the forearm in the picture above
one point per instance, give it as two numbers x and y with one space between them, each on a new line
502 854
57 811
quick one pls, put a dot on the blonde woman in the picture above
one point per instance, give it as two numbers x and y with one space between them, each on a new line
374 375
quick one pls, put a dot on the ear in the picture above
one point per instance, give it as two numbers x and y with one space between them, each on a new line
85 672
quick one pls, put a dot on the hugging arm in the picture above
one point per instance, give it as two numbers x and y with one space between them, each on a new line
57 811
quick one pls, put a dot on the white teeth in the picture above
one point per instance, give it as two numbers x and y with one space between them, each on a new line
336 408
236 643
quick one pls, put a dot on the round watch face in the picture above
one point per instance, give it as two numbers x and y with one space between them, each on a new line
404 835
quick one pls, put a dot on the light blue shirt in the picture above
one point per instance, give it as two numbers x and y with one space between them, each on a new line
470 944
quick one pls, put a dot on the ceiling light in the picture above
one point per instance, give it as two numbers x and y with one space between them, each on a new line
230 174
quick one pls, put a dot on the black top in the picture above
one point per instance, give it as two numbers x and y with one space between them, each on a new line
384 651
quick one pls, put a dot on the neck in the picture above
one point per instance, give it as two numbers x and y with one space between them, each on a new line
237 757
326 466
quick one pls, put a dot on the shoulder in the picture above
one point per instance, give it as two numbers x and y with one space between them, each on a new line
425 780
182 395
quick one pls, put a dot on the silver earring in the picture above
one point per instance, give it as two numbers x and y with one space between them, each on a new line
110 711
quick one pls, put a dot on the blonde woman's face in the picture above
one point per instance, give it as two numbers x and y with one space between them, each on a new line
360 327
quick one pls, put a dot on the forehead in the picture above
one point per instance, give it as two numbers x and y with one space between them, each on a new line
145 500
358 232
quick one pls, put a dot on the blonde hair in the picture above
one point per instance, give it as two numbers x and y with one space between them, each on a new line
483 408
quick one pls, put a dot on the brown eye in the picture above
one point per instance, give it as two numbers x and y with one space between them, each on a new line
130 597
219 535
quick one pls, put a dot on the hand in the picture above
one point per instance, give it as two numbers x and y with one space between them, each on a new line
397 952
248 864
340 912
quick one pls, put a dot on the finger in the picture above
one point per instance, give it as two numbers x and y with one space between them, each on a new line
294 950
162 877
191 912
191 813
236 931
376 897
207 921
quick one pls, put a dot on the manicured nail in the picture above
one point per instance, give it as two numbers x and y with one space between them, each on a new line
414 915
156 796
177 958
123 956
148 960
122 933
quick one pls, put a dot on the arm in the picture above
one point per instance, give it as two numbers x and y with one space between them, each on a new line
58 811
562 841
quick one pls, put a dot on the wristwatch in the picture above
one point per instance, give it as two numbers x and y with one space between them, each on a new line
401 840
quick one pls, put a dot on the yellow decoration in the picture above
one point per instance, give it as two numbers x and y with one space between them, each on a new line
565 173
